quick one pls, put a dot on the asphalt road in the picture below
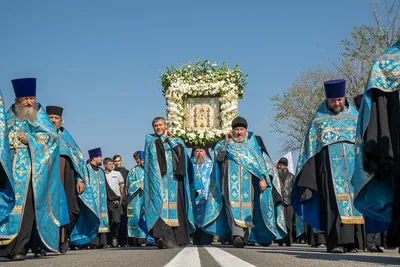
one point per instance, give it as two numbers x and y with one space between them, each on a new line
192 256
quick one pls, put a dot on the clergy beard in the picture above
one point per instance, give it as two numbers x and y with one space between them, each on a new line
199 160
160 133
337 110
26 113
240 139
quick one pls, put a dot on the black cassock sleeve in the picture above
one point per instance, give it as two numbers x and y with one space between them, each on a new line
180 161
381 139
276 197
3 177
162 162
382 151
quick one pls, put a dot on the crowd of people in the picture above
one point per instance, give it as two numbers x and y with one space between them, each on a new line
345 184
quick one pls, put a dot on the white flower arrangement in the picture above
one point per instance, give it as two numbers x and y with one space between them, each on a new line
197 80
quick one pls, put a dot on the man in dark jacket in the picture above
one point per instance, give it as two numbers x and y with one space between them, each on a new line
286 179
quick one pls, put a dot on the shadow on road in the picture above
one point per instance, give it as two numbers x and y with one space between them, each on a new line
384 260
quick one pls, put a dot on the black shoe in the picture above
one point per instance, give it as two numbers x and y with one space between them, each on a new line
280 244
372 249
64 247
238 242
266 244
160 243
378 249
40 254
18 257
250 244
354 250
337 249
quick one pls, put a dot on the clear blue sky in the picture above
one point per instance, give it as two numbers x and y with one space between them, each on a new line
101 60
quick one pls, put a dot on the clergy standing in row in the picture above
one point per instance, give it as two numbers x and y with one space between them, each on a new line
246 189
7 195
200 172
40 202
323 190
167 198
277 194
135 188
98 183
81 206
377 175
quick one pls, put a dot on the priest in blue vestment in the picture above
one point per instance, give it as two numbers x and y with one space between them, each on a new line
167 197
282 213
134 185
84 222
40 202
377 173
135 202
104 196
323 191
7 196
201 173
246 190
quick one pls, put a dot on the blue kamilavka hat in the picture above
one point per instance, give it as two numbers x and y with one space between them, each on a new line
24 87
335 88
94 153
141 155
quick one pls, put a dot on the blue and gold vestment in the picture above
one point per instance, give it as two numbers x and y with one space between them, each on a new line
336 132
97 182
87 225
38 163
244 165
7 197
160 192
135 197
376 188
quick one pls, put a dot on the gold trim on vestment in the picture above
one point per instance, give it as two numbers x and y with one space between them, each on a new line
17 210
104 230
244 224
236 204
7 241
172 205
345 197
352 219
171 222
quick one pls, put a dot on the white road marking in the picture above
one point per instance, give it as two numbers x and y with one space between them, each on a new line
226 259
189 256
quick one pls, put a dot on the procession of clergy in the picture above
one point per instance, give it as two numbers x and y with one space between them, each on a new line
346 183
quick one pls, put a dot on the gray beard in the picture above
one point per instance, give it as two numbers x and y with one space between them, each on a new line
199 160
26 113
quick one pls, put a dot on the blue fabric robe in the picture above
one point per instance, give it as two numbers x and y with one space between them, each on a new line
87 226
201 184
39 160
7 197
281 230
337 132
245 161
135 206
97 182
162 203
373 197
